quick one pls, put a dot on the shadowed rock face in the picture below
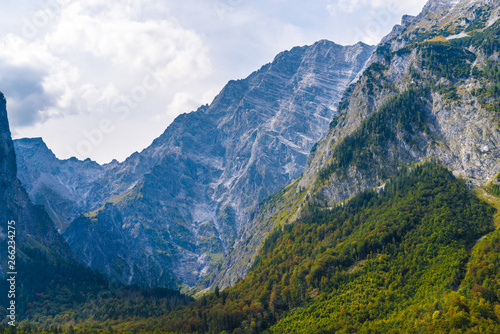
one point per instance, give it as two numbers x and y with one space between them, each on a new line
33 227
176 208
8 167
61 186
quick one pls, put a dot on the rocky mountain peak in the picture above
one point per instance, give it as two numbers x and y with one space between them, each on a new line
35 146
407 20
61 186
433 5
439 19
446 18
462 129
184 199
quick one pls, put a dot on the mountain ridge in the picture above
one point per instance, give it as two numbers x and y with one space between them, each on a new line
456 124
384 231
212 164
33 228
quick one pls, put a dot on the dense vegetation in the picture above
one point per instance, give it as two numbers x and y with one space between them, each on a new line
55 292
448 61
403 264
384 261
417 255
488 40
494 187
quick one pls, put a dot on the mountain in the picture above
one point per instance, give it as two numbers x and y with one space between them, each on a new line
49 279
61 186
33 227
385 260
26 229
423 96
419 249
387 229
446 77
169 213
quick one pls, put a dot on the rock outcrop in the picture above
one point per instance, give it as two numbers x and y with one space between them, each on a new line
430 92
178 206
61 186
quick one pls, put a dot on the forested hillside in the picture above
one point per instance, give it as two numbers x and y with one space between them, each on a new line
390 228
428 94
403 256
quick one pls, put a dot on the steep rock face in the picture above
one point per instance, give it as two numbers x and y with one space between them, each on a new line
211 166
461 122
8 167
61 186
268 135
33 227
416 101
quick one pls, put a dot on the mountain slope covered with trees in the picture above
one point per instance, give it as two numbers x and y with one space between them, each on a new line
402 257
420 98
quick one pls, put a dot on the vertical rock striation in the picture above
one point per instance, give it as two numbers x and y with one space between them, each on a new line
170 213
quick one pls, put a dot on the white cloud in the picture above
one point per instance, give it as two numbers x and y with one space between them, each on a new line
35 66
182 101
91 55
394 6
80 61
345 6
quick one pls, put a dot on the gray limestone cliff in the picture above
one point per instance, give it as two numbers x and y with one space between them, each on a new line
429 93
61 186
177 207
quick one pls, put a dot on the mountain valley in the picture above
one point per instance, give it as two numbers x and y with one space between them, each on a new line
335 190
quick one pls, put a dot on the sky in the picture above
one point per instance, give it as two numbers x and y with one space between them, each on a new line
101 79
